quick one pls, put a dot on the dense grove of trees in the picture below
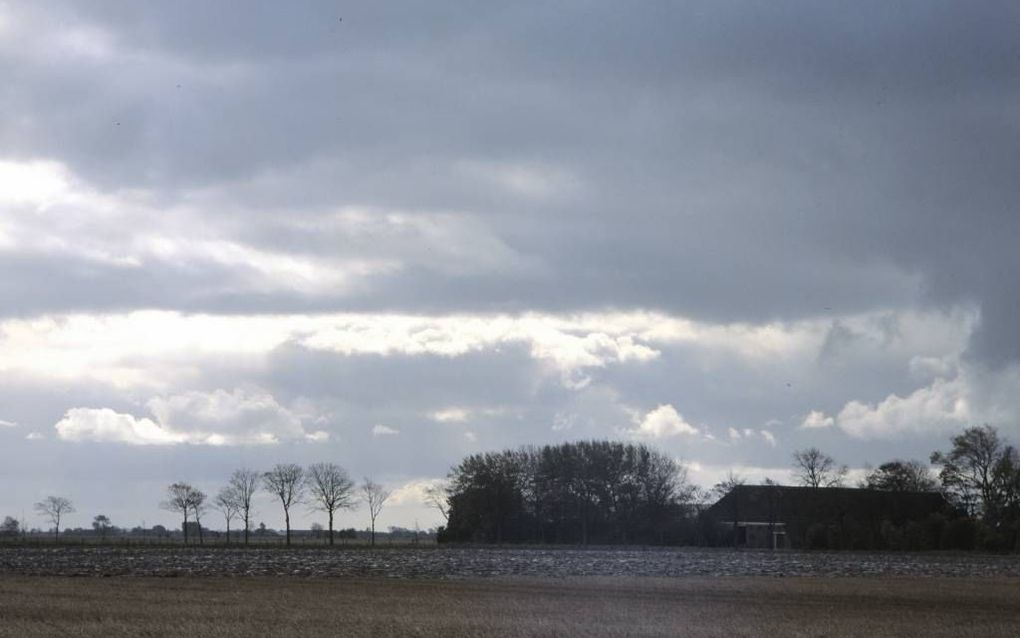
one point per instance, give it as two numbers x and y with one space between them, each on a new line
585 492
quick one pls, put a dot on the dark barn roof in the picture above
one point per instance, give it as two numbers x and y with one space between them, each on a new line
778 503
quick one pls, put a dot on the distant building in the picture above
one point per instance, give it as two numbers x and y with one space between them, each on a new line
778 517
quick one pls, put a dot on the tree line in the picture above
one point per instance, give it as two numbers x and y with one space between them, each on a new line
612 492
324 487
600 492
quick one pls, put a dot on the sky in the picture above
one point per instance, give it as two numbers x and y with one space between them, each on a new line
389 235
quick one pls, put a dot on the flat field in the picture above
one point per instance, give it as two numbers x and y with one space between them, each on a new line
698 606
470 562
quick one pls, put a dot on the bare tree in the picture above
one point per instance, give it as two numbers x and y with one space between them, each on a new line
198 508
375 495
814 468
178 500
226 503
437 496
725 486
54 508
244 483
287 482
332 490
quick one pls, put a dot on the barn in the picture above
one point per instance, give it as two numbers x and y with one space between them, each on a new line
778 516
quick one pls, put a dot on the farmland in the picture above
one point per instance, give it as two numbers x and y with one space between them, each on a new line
471 562
697 606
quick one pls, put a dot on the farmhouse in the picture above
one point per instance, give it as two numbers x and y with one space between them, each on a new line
777 517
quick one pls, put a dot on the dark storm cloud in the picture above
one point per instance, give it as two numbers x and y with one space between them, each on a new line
733 160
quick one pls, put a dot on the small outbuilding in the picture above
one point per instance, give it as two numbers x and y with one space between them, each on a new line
779 517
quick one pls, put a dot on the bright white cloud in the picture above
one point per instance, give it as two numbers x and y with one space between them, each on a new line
662 422
106 426
450 415
970 394
38 183
119 349
413 492
456 414
750 433
939 407
568 345
816 420
34 436
236 417
383 430
240 417
708 474
7 424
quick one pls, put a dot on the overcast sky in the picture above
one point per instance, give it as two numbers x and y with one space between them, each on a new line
240 235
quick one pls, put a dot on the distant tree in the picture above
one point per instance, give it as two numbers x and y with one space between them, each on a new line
331 490
244 483
437 497
375 496
901 476
317 530
814 468
10 526
228 505
55 508
198 508
287 483
179 497
101 524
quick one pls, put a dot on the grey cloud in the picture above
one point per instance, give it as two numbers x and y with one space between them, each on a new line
712 173
472 380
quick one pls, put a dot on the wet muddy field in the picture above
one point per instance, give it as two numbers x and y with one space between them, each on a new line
452 563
